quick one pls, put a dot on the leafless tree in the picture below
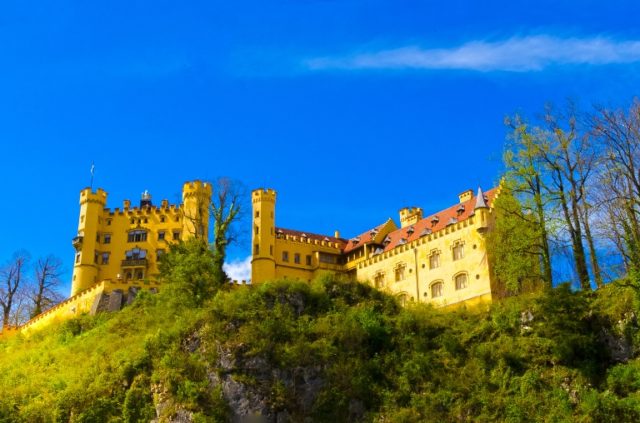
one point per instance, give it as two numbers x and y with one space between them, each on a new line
12 280
226 209
43 294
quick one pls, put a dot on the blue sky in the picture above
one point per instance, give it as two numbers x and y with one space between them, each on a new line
349 109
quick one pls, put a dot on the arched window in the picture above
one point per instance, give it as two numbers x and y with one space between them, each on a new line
461 280
135 254
404 298
399 271
436 289
458 250
434 259
378 280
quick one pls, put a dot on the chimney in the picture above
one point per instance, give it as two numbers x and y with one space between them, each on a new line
465 196
336 234
410 216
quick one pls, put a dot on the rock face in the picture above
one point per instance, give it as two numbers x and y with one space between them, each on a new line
257 401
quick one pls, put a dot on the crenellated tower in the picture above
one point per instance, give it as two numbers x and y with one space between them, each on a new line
263 265
85 268
196 199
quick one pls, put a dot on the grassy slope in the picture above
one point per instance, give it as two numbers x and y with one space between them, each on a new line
377 361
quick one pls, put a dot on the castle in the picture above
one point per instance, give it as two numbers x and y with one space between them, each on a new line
117 250
441 259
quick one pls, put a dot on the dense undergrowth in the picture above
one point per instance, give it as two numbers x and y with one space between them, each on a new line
558 356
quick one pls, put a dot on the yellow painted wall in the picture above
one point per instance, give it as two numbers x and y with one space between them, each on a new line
97 224
363 265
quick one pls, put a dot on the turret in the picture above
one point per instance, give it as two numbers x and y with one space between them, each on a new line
481 211
196 198
410 216
85 269
263 265
145 199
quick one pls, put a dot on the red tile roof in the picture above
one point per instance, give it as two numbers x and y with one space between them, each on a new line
341 242
443 219
364 237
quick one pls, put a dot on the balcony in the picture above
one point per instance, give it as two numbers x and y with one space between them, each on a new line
77 242
136 262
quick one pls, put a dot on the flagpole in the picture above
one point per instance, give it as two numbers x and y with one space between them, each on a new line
92 171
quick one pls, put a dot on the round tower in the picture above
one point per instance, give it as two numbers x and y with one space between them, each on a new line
85 269
196 199
263 239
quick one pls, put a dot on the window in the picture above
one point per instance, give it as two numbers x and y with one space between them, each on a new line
308 260
257 213
139 274
135 254
159 254
177 219
399 272
162 218
176 236
327 258
378 280
461 281
257 229
434 259
95 257
296 258
161 235
436 289
137 236
256 249
108 222
78 258
285 256
458 250
98 238
105 258
107 238
270 250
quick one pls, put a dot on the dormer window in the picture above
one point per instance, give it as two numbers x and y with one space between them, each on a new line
387 240
425 232
452 221
435 220
356 240
460 209
410 230
402 241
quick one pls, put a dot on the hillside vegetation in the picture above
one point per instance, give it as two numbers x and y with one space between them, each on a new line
331 350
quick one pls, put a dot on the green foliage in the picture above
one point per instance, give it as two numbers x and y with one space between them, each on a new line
191 272
331 350
514 246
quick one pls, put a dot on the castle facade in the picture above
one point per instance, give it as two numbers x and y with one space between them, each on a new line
441 259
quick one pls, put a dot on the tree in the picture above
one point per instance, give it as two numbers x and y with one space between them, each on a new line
43 292
525 180
514 246
11 283
226 209
619 133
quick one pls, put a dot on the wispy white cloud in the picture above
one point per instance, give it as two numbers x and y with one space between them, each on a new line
517 54
238 270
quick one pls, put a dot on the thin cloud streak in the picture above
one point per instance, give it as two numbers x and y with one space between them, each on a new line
518 54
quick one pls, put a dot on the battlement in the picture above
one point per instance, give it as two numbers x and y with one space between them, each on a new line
197 187
410 216
263 194
88 196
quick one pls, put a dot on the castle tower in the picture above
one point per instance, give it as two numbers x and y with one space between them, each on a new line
85 268
196 199
263 265
410 216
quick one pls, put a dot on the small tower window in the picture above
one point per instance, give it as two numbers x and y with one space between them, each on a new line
107 239
256 249
105 258
257 213
162 219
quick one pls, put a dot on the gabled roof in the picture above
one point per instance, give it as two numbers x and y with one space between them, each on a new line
438 221
374 235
